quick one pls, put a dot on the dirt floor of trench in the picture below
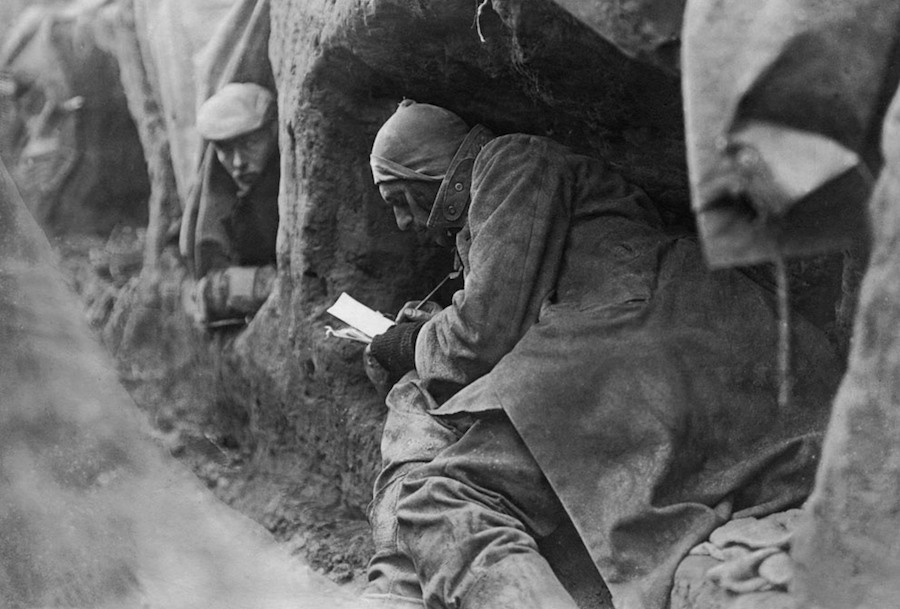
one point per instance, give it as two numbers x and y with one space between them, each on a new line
268 484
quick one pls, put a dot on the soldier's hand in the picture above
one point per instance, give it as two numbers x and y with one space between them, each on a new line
424 313
377 374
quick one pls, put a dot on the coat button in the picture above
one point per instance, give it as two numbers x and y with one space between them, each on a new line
458 186
451 209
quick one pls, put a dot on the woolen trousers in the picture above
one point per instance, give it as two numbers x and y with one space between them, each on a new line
469 519
411 438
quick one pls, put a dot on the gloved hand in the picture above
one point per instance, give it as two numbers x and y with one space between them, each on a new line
424 313
380 377
395 349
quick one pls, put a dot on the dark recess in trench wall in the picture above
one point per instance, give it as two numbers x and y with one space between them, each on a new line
78 170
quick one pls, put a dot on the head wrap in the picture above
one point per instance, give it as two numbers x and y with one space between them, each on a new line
416 143
236 109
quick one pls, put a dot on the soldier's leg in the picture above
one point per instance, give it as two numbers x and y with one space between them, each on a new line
411 437
469 520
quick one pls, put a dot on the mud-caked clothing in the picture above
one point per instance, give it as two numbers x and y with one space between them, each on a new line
527 195
643 386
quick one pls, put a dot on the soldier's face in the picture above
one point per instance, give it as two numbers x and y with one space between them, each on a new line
245 156
411 201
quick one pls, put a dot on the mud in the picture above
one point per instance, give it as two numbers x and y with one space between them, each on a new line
93 513
204 426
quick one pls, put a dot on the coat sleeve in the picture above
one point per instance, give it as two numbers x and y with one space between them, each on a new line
517 220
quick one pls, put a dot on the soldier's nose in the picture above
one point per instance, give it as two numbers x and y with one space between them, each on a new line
238 159
403 218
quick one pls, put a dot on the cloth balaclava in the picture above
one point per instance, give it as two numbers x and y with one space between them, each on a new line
416 143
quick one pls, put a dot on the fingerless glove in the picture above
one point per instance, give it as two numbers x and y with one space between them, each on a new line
395 350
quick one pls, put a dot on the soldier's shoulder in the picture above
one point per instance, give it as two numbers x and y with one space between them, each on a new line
521 145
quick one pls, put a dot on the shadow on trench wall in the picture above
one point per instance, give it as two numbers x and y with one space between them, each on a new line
92 513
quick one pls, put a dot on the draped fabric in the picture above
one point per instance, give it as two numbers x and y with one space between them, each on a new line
783 107
820 73
173 35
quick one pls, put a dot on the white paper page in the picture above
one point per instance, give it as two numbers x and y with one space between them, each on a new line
354 313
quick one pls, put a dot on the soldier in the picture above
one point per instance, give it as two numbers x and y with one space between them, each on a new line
237 220
591 368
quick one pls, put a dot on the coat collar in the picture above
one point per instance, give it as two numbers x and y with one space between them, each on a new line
452 201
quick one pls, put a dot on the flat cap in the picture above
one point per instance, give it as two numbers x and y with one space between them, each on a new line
237 108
